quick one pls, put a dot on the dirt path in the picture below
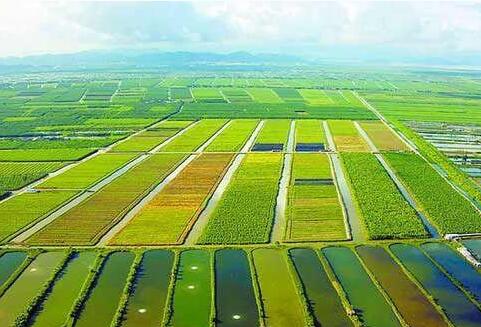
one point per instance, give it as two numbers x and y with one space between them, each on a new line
280 219
353 219
203 219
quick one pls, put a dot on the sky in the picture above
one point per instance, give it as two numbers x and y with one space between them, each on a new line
303 28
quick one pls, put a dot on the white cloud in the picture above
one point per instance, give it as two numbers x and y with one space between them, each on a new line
296 26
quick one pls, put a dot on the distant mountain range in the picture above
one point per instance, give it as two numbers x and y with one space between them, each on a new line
151 59
146 59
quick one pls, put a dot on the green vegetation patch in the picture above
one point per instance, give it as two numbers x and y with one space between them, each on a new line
86 173
446 208
245 211
385 212
233 137
27 208
313 208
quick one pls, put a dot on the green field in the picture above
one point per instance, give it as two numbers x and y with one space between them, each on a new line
239 193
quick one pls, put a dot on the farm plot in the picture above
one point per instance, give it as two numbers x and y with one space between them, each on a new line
313 209
180 93
273 136
193 138
315 97
15 175
167 218
146 304
103 299
382 137
233 137
209 95
44 154
235 301
86 222
282 305
386 214
310 136
245 211
457 307
192 299
289 94
59 301
368 303
15 301
456 266
264 95
412 304
446 208
236 95
9 263
321 296
346 136
145 141
27 208
88 172
291 110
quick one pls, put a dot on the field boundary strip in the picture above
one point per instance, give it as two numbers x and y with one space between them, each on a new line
52 216
280 217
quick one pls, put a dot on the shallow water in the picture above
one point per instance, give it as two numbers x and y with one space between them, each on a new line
280 297
193 292
235 300
458 308
56 307
410 302
9 262
147 302
28 285
368 302
456 266
104 299
321 295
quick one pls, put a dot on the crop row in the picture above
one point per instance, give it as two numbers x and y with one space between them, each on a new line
88 172
245 212
313 208
86 222
44 154
169 215
309 131
274 131
346 136
385 212
382 137
233 137
194 137
14 175
444 206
